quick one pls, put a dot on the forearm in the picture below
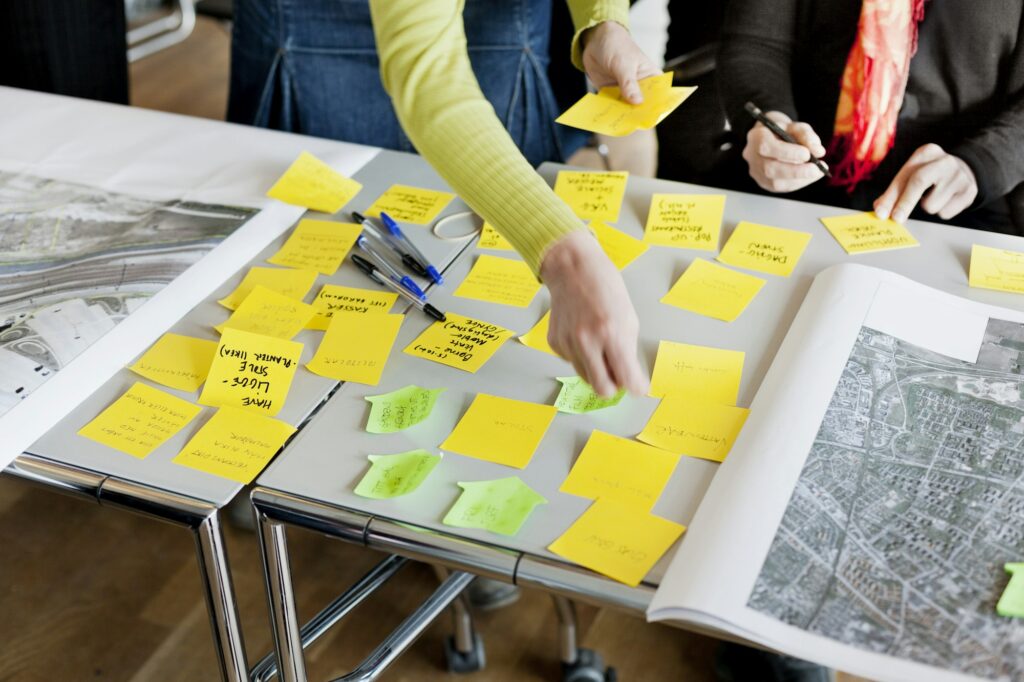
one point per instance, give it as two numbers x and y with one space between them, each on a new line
587 14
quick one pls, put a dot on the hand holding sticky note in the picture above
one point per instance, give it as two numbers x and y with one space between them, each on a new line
500 430
608 114
400 409
356 347
140 421
235 444
312 183
577 397
396 475
614 468
251 371
499 506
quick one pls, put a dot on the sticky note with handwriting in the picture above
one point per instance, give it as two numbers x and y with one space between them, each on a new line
500 430
713 290
620 248
460 342
269 313
235 444
685 221
318 245
500 280
606 113
285 281
177 361
410 204
400 409
617 540
334 298
537 337
395 475
682 369
312 183
140 421
492 239
1011 604
866 232
694 427
499 506
251 371
997 269
614 468
577 397
356 347
593 195
773 250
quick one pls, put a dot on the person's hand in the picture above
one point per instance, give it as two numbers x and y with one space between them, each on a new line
612 57
593 324
779 166
949 183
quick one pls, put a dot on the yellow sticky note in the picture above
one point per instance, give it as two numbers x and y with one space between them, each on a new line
460 342
686 221
235 444
613 468
334 298
608 114
621 248
682 369
285 281
492 239
763 248
312 183
410 204
500 430
356 347
866 232
140 421
709 289
694 427
318 245
997 269
593 195
500 280
537 338
251 371
617 540
269 313
177 361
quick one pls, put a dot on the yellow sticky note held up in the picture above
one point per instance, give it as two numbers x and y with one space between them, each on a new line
621 248
356 347
694 427
410 204
617 540
997 269
318 245
251 371
460 342
500 430
334 298
492 239
235 444
312 183
608 114
763 248
140 421
714 291
499 506
702 372
269 313
685 221
593 195
613 468
537 337
866 232
177 361
500 280
285 281
1011 604
395 475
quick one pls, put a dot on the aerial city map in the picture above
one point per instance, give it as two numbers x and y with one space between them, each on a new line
909 503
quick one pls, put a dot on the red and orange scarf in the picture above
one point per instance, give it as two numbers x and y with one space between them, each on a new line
874 83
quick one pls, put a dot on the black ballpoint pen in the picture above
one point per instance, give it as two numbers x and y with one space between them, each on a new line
771 125
370 271
408 260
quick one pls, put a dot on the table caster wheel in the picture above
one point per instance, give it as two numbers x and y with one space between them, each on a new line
589 667
465 662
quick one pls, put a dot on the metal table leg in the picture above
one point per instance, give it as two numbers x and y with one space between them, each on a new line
220 598
281 599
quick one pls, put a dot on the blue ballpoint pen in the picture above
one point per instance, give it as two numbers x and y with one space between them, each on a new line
395 231
381 262
388 240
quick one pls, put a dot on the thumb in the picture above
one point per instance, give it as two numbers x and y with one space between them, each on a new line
625 75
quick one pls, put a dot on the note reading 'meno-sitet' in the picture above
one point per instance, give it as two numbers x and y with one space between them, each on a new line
593 195
318 245
312 183
685 221
140 421
177 361
500 430
614 468
499 506
410 204
400 409
460 342
396 475
694 427
714 291
356 347
251 371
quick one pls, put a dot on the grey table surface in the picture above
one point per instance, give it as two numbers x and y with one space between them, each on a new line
328 457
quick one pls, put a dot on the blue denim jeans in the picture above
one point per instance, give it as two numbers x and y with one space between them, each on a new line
311 67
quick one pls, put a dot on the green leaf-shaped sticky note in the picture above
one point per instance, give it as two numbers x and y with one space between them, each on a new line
500 506
400 409
394 475
577 397
1011 604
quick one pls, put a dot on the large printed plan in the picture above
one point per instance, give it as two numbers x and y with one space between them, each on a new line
883 462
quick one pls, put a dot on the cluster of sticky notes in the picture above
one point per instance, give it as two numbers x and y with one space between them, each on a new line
577 397
251 371
866 232
492 239
714 291
500 430
269 313
400 409
356 347
772 250
176 361
614 468
140 421
460 342
500 280
334 298
694 427
293 283
620 248
410 204
396 475
606 113
686 221
537 337
312 183
319 245
499 506
997 269
235 444
593 195
682 369
1011 604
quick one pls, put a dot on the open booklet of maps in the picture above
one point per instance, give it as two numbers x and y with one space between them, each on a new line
864 515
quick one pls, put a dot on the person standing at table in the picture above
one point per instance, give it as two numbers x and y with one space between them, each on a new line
464 83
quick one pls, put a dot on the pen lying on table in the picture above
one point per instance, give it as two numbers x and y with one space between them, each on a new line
396 240
371 272
381 262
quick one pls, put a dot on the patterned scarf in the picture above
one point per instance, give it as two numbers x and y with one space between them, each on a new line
874 83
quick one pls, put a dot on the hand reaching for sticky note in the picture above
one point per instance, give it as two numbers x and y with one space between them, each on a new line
612 57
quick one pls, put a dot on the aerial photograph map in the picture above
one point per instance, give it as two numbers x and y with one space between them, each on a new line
908 505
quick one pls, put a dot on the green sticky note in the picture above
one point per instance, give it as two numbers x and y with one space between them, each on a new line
577 397
400 409
394 475
500 506
1011 604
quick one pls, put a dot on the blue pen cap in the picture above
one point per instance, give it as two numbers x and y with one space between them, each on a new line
390 224
435 275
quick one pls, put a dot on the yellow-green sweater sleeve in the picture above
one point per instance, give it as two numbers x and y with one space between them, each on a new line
426 70
588 14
